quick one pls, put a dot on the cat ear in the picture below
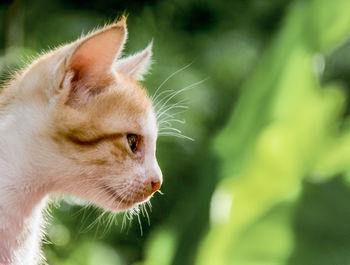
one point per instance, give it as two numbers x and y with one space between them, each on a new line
96 53
136 65
91 61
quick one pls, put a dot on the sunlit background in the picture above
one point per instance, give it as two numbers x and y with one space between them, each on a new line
266 179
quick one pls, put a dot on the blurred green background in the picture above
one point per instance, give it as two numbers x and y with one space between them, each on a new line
266 180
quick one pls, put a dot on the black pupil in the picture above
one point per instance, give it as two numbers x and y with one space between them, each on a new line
133 141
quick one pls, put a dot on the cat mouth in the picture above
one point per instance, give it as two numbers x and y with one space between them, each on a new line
112 193
122 201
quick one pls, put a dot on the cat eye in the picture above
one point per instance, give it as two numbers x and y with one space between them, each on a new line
133 141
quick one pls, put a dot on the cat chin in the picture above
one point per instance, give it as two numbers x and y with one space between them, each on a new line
115 202
116 207
120 208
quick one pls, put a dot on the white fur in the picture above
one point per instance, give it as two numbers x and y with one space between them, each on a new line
31 167
27 170
23 189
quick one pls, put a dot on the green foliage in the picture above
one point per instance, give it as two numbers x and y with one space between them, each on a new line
284 128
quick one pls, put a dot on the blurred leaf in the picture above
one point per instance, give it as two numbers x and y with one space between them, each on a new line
160 247
94 253
282 126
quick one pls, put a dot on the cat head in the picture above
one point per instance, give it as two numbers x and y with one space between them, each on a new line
102 126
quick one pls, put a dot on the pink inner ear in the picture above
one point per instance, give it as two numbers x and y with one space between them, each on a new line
97 53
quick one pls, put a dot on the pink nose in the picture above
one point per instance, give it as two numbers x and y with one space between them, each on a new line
155 185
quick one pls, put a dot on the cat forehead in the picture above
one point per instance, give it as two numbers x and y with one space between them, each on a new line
117 104
122 94
125 105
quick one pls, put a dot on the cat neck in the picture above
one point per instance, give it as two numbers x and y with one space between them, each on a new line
23 192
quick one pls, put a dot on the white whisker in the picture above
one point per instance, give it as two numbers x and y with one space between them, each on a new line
138 218
169 128
184 89
167 79
176 135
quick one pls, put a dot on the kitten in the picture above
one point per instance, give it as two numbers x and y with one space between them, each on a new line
76 121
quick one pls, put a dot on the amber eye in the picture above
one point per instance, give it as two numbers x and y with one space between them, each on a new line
133 141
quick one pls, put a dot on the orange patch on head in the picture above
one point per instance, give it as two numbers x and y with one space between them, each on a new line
85 101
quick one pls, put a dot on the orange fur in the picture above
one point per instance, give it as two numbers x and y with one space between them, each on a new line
65 122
